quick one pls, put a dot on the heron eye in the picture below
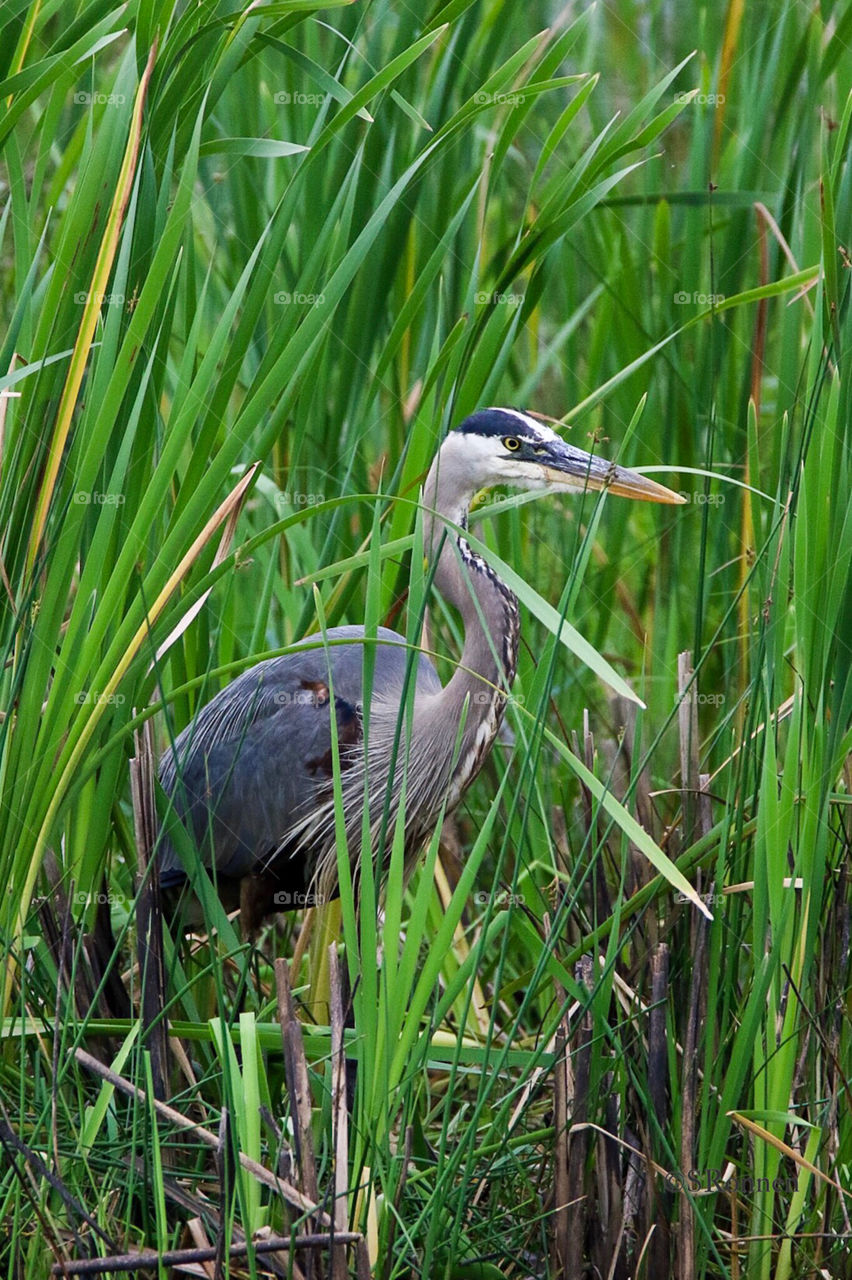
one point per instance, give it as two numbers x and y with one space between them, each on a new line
511 443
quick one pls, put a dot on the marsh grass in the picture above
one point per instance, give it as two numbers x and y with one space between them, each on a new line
313 240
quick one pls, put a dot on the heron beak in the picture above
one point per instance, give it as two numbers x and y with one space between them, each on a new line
573 469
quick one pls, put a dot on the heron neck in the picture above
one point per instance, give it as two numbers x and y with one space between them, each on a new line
489 612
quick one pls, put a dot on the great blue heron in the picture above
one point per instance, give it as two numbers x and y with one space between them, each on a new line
252 776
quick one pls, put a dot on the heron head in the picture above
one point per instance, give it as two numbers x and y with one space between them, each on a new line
507 446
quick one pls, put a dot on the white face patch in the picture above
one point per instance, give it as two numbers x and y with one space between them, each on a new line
464 465
483 461
469 462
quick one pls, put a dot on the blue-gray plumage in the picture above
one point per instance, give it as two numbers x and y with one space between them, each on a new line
252 777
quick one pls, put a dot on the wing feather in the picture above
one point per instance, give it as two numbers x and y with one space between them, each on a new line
257 759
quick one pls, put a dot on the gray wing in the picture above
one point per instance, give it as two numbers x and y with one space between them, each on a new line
258 757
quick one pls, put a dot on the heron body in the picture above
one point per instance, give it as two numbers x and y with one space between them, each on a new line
252 777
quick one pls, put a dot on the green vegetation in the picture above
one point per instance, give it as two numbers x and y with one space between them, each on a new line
313 239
